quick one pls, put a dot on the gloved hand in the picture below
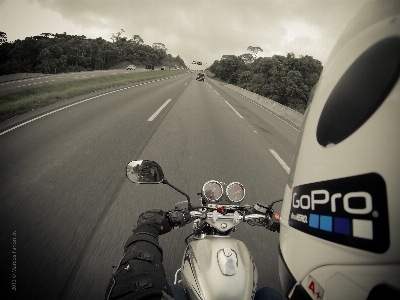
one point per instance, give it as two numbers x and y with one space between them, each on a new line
155 218
179 217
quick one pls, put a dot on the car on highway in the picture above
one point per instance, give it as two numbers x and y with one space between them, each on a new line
200 77
131 67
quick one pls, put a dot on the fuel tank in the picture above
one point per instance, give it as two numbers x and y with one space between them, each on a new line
218 267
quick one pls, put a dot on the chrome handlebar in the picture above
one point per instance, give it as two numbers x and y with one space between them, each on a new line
229 216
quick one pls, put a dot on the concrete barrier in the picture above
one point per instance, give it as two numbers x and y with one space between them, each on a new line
292 116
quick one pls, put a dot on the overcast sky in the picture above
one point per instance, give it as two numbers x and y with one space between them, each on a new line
200 30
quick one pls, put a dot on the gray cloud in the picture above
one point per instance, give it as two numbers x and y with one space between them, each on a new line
206 30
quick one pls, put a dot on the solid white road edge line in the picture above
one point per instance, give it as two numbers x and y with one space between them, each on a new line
234 109
44 115
159 110
283 164
54 111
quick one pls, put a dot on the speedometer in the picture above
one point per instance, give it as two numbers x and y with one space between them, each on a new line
235 192
212 191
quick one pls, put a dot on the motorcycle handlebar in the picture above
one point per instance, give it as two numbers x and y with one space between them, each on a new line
179 218
196 214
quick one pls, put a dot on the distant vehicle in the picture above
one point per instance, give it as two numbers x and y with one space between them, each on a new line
163 68
200 77
131 67
150 67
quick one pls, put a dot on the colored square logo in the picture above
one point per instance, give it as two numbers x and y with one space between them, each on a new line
341 225
314 221
325 223
363 229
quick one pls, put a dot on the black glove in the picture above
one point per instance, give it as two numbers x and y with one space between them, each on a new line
179 217
155 218
272 224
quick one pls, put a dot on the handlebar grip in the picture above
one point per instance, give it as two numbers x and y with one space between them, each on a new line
272 224
179 218
275 227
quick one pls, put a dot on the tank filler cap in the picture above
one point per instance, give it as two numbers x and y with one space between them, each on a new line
227 261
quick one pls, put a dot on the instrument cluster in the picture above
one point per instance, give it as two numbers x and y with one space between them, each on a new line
213 191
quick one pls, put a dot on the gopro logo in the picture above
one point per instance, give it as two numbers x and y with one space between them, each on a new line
313 201
351 211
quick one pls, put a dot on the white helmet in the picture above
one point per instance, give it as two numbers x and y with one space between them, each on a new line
340 218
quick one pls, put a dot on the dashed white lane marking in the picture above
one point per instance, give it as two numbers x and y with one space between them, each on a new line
216 92
234 109
283 164
268 111
159 110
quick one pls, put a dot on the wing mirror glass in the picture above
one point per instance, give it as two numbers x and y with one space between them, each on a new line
144 171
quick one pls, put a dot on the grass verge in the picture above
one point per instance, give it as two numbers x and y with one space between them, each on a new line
212 76
14 104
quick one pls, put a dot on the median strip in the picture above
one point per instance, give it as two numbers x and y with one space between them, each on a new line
67 106
17 103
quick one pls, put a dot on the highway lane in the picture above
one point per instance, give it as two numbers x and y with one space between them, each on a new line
65 192
200 139
281 134
17 85
60 175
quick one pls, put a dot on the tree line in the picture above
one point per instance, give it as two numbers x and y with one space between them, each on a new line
285 79
56 53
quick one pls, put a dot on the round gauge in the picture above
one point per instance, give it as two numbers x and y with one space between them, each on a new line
235 192
212 190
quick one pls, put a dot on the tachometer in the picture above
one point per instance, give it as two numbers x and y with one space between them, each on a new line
212 191
235 192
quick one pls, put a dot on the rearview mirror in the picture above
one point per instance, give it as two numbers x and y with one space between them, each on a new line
144 171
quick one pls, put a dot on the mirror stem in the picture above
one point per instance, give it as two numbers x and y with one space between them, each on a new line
165 181
276 202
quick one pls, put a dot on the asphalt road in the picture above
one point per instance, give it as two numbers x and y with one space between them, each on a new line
17 85
66 201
